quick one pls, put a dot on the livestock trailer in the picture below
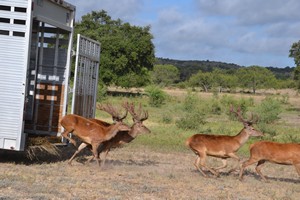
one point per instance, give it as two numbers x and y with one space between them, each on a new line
35 70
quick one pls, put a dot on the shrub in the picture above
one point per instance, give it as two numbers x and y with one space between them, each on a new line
167 118
190 102
101 92
191 120
269 110
216 107
156 96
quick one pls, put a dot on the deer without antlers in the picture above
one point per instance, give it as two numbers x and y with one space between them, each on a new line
220 146
124 137
90 132
279 153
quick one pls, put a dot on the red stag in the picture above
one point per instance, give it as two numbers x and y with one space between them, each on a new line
220 146
279 153
125 137
90 132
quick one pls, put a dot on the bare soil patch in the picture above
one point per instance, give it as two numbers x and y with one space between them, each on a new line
136 173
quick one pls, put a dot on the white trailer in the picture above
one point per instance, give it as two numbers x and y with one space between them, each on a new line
35 64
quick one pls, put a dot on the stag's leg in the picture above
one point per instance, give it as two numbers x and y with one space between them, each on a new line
81 146
246 164
224 161
95 152
65 134
202 164
105 154
197 165
258 169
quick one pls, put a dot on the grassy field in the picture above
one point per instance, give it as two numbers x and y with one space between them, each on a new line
158 165
167 136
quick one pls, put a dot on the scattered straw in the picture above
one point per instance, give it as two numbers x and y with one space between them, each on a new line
37 145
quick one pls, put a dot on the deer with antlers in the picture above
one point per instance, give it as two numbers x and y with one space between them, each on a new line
124 137
220 146
89 132
279 153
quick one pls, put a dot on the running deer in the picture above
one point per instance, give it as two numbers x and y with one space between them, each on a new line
221 146
124 137
279 153
90 132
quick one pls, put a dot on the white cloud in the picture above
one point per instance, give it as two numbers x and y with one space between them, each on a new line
244 32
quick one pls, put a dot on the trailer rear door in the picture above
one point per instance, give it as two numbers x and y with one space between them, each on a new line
86 77
15 28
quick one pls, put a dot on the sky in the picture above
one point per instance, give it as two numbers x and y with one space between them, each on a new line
243 32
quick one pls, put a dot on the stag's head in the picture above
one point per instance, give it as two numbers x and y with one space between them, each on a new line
248 124
138 116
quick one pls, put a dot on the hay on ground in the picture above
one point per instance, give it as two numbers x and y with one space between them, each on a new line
39 145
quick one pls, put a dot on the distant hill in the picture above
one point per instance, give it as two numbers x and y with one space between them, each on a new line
189 67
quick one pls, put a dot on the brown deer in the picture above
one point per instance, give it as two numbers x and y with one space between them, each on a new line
279 153
90 132
220 146
124 137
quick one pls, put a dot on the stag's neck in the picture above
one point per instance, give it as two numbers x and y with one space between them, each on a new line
242 137
133 133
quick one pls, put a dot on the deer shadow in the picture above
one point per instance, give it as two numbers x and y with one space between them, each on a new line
269 179
40 156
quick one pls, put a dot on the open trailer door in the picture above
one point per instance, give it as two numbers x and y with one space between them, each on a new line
14 47
86 77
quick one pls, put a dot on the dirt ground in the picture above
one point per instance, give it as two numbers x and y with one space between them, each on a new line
136 173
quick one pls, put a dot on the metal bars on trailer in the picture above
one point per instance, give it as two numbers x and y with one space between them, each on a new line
86 77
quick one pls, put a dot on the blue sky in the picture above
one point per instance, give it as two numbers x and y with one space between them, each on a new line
244 32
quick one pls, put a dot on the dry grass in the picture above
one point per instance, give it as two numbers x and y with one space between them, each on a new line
38 145
139 173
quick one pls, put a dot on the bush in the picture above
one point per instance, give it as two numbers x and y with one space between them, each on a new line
190 102
191 120
101 92
269 110
167 118
216 107
156 96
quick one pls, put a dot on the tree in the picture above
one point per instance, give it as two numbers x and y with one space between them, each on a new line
202 79
165 75
222 79
295 53
127 52
256 77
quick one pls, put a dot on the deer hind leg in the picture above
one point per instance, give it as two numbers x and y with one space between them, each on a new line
224 161
202 164
81 146
197 165
258 169
65 134
246 164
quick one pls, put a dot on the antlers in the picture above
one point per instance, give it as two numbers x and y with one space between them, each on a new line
140 115
112 111
239 115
